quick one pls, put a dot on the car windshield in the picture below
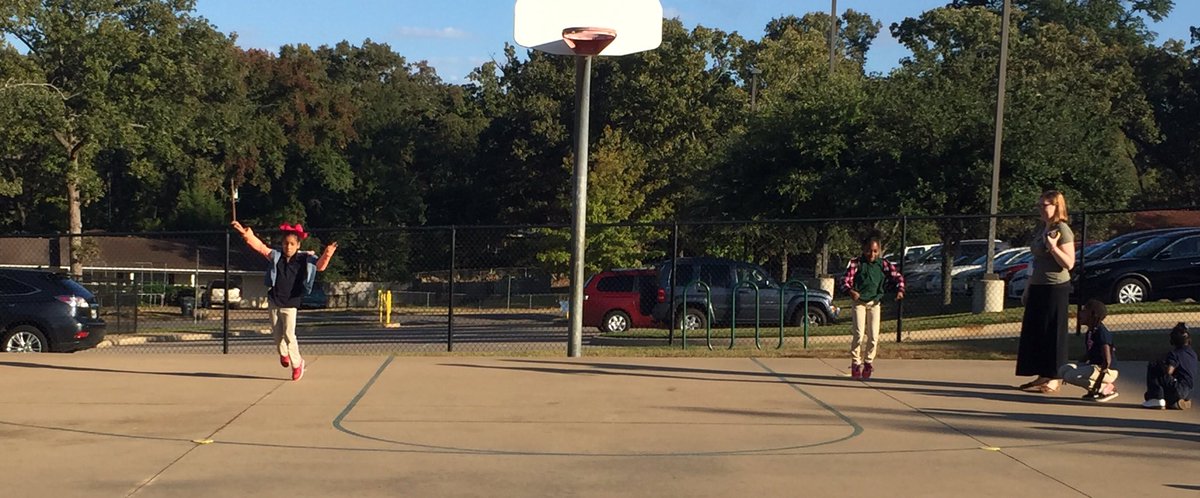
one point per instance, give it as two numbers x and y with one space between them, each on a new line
1148 248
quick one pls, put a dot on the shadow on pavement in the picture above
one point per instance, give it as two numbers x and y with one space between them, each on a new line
210 375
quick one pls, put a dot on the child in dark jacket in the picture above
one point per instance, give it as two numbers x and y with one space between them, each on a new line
1169 382
1096 374
864 283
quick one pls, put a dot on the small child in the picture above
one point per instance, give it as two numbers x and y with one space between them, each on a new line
1096 374
864 283
1169 381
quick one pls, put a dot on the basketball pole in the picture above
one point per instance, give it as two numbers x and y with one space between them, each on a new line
583 90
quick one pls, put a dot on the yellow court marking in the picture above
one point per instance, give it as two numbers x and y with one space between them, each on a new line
990 448
202 441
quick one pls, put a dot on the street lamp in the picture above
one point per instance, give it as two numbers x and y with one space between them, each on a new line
990 285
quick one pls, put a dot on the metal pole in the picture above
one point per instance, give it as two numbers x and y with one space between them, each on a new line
1003 77
1082 264
583 88
225 303
450 313
903 252
833 32
671 293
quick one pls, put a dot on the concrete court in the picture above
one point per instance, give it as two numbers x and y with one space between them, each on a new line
194 425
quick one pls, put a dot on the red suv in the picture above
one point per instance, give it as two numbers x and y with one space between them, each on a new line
618 300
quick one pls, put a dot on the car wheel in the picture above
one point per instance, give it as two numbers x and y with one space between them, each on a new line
615 321
1130 290
24 339
693 319
816 317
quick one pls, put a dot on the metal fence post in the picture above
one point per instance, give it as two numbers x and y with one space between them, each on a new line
671 292
903 253
225 301
450 311
1081 264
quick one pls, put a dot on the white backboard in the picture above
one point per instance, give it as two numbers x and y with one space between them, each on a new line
638 23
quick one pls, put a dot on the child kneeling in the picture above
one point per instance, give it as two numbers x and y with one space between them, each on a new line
1096 374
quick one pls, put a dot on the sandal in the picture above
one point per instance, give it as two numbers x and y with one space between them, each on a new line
1033 384
1045 389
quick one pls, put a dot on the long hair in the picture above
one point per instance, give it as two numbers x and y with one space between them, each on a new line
1060 203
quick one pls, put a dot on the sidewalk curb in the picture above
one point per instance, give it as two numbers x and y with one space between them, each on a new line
139 339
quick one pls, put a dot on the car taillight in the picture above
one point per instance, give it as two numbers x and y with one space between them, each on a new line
82 334
73 301
662 295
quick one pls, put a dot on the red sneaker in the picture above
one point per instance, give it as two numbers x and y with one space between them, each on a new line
855 371
286 361
298 370
867 371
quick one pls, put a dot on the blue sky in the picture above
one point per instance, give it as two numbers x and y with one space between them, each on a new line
455 36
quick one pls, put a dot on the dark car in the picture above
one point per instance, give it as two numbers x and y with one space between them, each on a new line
317 299
1121 245
618 300
44 311
1163 267
723 276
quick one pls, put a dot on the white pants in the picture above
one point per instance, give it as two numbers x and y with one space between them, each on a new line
283 330
1085 375
866 320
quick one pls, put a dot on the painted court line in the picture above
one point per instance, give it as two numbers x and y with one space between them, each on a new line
338 423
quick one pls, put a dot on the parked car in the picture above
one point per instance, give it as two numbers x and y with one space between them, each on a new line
43 311
723 276
618 300
963 278
1121 245
912 254
968 250
1110 250
215 292
1167 266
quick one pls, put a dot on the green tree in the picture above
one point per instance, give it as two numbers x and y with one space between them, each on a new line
117 70
932 135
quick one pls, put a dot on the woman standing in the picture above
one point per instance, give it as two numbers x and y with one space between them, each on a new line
1043 346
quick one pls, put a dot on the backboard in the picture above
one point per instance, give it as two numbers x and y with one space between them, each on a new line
539 24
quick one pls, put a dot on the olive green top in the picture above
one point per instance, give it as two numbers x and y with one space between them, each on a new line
1045 269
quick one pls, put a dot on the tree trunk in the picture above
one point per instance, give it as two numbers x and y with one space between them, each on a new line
949 251
822 263
783 267
75 219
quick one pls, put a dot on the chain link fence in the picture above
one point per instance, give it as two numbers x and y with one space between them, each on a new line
503 290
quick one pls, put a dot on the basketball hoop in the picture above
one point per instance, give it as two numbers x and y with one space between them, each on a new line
588 41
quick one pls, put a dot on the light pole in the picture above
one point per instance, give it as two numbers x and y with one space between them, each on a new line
999 141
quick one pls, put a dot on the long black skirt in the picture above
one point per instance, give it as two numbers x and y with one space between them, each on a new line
1043 347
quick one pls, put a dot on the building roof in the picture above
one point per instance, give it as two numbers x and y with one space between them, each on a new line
129 253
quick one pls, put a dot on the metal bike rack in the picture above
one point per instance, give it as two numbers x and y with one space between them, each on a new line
707 311
783 309
757 314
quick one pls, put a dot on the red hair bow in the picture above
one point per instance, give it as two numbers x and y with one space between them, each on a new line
296 229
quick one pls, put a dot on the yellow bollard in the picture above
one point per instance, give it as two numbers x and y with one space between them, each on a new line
389 308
